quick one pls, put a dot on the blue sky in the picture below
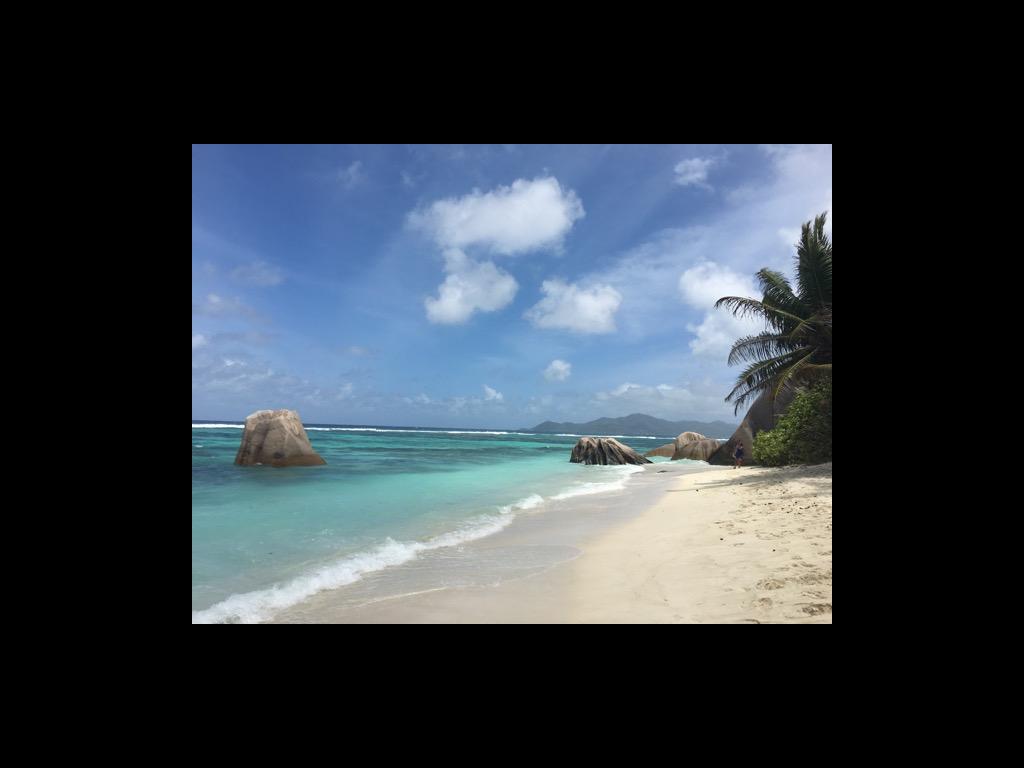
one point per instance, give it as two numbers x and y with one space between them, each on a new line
483 286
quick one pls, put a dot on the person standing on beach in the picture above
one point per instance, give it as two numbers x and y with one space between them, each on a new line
738 455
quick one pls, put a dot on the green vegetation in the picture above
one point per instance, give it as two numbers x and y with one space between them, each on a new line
793 353
796 347
803 434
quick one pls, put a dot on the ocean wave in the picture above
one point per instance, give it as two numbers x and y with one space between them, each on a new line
586 489
254 607
530 502
633 437
416 431
376 429
261 605
478 432
438 431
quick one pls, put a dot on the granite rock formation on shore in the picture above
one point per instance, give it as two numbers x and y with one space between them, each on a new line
689 445
604 450
276 438
668 451
763 414
694 446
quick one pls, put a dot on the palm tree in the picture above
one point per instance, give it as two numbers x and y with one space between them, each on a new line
796 346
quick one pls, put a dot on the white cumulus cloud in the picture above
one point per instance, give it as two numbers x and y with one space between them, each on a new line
525 216
492 394
573 308
700 287
559 370
705 283
471 286
198 340
693 172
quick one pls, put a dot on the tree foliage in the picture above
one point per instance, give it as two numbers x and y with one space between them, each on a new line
803 434
796 346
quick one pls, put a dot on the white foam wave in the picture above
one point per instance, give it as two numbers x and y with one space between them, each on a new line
530 502
254 607
416 431
586 489
634 437
376 429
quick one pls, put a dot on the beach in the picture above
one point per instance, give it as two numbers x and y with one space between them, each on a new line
726 546
681 544
508 384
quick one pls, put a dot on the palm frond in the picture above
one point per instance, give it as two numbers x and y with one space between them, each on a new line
778 293
817 324
761 376
745 307
814 264
759 347
792 373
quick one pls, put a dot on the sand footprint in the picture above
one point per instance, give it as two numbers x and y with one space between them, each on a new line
815 609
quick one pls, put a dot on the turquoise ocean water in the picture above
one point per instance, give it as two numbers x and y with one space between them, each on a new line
266 538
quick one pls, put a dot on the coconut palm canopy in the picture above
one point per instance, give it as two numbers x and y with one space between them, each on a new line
796 345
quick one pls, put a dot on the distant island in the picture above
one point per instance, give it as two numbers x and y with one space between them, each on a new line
637 424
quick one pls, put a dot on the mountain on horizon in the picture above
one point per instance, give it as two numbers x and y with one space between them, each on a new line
638 424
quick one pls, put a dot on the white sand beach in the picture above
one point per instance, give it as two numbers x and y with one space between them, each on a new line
725 546
680 545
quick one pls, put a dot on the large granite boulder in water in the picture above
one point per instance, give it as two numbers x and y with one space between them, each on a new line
694 446
763 414
276 438
604 450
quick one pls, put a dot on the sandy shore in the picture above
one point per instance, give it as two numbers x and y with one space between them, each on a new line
680 545
727 546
